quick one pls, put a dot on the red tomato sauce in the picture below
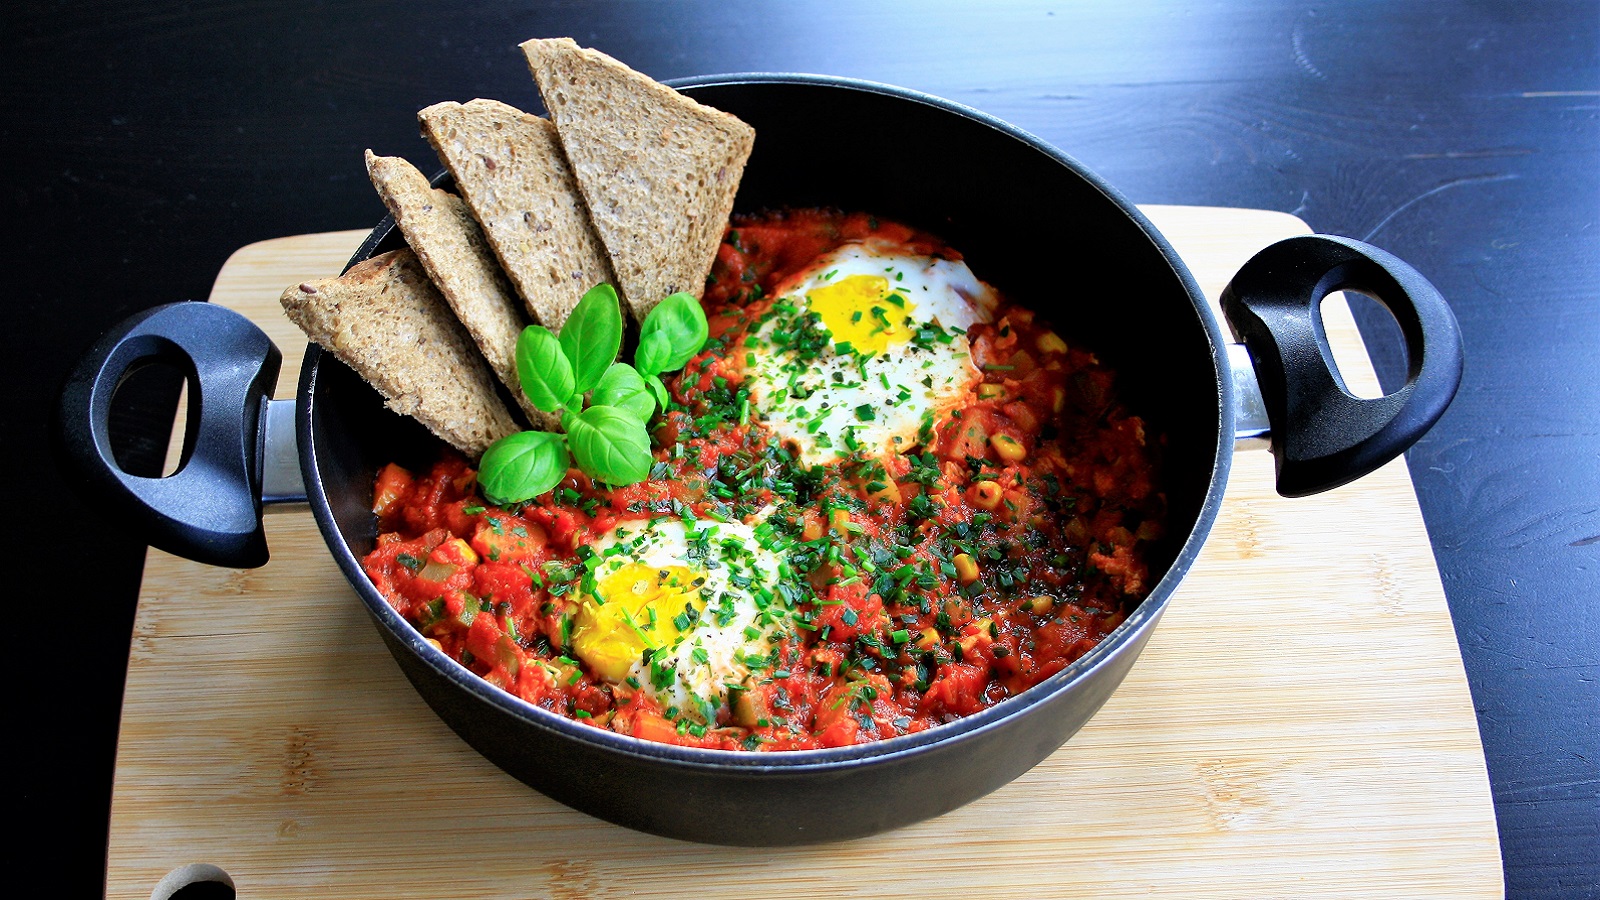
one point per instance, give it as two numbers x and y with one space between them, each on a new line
930 584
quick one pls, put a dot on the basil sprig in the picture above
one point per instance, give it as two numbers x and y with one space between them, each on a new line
592 335
543 368
611 444
672 334
609 440
523 465
623 387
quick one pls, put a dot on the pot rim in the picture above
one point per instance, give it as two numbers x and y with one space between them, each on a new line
942 736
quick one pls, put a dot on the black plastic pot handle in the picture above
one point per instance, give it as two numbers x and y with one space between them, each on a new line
1322 436
209 510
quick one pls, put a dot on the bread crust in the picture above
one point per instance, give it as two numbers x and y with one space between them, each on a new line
385 319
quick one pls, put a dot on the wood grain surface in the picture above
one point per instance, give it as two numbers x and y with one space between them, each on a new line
1299 724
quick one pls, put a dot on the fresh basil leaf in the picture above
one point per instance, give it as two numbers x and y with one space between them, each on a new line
592 335
621 386
610 445
655 351
658 388
543 368
681 319
522 466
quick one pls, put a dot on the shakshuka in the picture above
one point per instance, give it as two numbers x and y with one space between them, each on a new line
884 497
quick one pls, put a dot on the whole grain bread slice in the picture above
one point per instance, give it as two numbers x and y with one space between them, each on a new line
509 168
384 319
447 240
658 170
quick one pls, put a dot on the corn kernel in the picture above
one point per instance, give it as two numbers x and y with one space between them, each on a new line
966 568
986 494
1008 448
889 494
1050 342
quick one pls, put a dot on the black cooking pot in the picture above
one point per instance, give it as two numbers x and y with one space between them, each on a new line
1030 220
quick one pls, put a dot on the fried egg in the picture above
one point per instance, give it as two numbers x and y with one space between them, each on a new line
684 610
865 350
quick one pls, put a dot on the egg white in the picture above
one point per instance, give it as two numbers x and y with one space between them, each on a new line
826 395
741 621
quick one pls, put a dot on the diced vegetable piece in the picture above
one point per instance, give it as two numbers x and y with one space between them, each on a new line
986 494
966 568
1008 448
394 485
748 709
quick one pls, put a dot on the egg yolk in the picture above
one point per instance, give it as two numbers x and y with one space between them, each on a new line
863 312
637 608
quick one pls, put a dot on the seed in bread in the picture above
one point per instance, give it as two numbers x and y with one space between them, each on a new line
451 247
509 168
384 319
658 170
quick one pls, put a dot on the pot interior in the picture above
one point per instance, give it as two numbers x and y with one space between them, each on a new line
1029 220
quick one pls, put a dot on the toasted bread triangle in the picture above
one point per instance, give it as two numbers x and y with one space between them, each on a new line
447 240
384 319
509 169
658 170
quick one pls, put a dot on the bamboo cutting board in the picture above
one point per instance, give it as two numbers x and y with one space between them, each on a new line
1298 726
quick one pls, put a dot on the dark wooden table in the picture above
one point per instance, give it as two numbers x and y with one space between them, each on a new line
147 141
